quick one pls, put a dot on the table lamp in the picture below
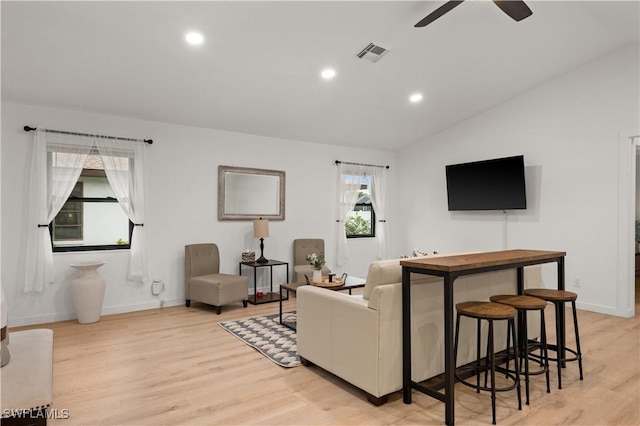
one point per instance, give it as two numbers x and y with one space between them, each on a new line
261 230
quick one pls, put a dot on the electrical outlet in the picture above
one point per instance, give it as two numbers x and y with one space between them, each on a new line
157 286
577 283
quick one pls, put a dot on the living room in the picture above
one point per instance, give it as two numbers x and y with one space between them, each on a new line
573 130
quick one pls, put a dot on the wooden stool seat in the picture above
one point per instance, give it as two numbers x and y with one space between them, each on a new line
528 303
486 310
551 295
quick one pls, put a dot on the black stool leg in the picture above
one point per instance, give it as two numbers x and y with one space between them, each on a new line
508 356
575 327
492 366
559 346
511 323
455 342
524 355
544 351
478 341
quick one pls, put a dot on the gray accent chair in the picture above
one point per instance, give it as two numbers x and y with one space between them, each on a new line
203 281
301 267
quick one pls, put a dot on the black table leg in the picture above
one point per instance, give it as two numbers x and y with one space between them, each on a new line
280 302
520 276
271 278
449 359
522 344
560 327
406 336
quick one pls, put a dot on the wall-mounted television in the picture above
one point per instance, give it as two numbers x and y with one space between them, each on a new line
496 184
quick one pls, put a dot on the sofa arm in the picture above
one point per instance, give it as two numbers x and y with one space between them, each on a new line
330 325
27 381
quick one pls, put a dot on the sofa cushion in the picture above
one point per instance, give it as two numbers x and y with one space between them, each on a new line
219 289
27 381
382 272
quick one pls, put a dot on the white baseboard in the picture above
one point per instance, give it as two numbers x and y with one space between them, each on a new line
600 309
110 310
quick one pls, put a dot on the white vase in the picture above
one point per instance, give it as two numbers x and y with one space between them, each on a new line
317 276
87 292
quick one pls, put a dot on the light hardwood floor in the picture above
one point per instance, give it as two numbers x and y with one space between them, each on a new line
177 366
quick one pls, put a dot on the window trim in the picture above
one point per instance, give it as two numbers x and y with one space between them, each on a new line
100 247
70 248
63 249
373 222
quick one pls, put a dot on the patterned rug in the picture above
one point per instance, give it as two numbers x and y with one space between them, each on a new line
267 335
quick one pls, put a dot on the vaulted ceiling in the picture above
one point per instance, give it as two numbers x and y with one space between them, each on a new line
258 70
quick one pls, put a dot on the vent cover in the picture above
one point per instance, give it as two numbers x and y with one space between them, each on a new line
373 52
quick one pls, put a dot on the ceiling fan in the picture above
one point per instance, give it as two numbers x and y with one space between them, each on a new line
516 9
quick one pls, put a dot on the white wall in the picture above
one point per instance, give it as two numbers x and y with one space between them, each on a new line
570 131
181 175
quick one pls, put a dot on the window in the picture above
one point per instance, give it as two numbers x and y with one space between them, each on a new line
67 226
91 218
361 221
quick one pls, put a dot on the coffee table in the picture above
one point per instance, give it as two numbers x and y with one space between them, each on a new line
293 288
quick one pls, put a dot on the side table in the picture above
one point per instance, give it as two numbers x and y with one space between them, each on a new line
270 296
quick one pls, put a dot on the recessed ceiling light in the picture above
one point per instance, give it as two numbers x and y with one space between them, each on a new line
328 73
194 38
416 97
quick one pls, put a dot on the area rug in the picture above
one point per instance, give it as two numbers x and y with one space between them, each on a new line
267 335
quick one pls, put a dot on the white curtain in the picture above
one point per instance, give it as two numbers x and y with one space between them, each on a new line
124 165
56 164
350 179
379 202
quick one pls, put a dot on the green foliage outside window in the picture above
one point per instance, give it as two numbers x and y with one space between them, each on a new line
357 225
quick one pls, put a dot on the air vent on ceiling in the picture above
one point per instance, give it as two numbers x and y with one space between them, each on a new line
372 52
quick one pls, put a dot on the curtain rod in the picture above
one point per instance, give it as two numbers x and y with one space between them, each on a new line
62 132
634 137
361 164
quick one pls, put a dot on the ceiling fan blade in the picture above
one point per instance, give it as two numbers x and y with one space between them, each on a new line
438 13
516 9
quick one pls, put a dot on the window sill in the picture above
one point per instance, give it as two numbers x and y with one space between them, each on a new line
55 253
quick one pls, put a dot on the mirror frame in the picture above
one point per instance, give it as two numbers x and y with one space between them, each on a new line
223 215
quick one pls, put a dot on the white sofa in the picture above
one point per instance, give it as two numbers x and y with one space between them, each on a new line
26 382
359 337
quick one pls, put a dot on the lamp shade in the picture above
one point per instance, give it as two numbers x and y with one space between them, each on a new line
261 228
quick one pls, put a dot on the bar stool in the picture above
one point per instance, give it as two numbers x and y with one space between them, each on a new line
489 312
558 298
523 304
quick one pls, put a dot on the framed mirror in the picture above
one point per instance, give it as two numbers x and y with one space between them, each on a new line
248 194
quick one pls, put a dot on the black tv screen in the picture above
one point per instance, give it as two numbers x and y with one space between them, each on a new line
496 184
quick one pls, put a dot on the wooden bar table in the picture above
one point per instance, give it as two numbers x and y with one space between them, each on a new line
450 268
